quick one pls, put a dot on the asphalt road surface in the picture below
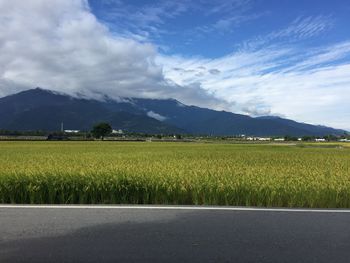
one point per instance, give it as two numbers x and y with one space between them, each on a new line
129 234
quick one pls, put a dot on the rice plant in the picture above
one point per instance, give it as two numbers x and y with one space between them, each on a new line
174 173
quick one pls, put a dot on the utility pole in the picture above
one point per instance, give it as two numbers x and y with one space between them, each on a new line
61 126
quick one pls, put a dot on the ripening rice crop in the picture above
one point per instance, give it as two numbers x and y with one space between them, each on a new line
174 173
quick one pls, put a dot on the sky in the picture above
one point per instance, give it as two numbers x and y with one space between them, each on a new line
289 58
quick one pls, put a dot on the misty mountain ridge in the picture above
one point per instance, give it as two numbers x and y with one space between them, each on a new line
39 109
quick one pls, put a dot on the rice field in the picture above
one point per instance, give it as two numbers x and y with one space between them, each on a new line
307 175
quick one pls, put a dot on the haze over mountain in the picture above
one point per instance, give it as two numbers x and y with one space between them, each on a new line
39 109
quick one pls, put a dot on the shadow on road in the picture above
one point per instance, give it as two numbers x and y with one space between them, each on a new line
196 237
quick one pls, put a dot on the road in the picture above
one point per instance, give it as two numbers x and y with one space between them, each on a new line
172 234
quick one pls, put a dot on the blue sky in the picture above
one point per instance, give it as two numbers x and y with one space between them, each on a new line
216 28
257 57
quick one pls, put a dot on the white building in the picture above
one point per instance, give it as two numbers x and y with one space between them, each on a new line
250 138
264 139
258 139
117 131
71 131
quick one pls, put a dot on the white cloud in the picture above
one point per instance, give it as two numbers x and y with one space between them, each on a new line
304 27
60 45
156 116
315 88
299 29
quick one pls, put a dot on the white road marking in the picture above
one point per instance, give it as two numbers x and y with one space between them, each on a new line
155 207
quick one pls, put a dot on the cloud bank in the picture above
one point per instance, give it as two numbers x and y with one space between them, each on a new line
60 45
307 86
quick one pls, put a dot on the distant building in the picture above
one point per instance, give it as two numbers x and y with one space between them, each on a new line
258 139
279 139
264 139
344 140
117 131
71 131
320 140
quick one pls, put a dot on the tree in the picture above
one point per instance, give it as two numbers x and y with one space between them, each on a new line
101 129
308 138
290 138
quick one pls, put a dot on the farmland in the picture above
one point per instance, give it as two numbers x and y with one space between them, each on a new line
303 175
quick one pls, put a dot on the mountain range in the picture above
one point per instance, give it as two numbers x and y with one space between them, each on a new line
39 109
